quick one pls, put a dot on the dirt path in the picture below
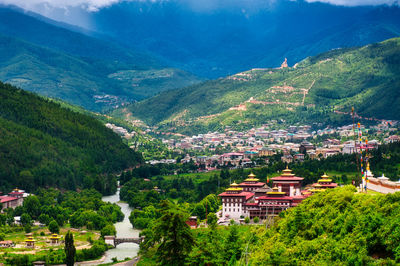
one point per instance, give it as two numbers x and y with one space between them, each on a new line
306 92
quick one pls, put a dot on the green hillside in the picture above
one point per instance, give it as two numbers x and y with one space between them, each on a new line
335 227
95 74
45 145
367 78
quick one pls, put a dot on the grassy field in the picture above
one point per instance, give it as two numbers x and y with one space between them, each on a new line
42 240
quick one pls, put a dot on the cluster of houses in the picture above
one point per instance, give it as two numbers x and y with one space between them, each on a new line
121 131
291 152
242 147
253 198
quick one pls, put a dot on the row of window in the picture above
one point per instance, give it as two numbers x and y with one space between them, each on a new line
233 204
231 200
234 210
274 203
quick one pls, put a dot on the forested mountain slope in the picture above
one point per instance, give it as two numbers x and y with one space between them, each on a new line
367 78
93 73
44 145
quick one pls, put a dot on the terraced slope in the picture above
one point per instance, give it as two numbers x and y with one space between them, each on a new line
367 78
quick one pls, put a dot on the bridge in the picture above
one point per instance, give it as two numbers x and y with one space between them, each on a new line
114 241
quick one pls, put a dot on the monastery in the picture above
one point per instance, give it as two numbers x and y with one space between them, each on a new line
253 198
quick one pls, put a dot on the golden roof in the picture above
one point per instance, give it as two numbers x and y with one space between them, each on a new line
251 175
317 185
317 190
275 191
324 180
325 176
234 184
234 189
54 236
287 172
252 180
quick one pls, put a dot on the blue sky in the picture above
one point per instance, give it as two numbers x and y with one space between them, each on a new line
94 5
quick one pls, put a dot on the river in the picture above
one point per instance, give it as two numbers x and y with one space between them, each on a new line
124 229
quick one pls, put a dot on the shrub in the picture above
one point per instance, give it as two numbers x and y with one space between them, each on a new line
53 227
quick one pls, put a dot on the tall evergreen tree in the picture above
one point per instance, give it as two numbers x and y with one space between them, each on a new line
173 235
69 249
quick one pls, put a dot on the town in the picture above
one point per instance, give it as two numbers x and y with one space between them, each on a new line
253 147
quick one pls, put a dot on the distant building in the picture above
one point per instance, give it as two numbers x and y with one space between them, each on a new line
381 184
13 199
260 200
233 200
323 183
306 146
266 152
287 158
299 157
251 183
288 183
192 222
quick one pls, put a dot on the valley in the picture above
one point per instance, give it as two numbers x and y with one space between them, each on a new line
199 132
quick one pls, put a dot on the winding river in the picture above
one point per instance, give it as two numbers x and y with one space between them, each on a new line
124 229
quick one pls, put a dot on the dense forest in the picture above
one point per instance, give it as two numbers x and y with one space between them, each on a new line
44 145
334 227
338 227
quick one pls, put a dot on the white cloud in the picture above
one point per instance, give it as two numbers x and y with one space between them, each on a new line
95 5
357 2
90 5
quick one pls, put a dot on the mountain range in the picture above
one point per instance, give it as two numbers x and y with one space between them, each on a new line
367 78
38 55
218 38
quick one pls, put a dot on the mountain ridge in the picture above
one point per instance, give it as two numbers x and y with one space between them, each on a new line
217 39
45 145
71 66
335 80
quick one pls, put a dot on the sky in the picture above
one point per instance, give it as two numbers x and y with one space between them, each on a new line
95 5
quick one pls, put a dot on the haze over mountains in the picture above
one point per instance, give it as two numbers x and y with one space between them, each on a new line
131 50
38 55
219 38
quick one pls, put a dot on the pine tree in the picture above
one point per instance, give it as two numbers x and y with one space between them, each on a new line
69 249
173 235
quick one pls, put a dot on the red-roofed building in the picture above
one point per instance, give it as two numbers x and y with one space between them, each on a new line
323 183
12 200
288 183
251 183
233 200
271 204
259 200
192 222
